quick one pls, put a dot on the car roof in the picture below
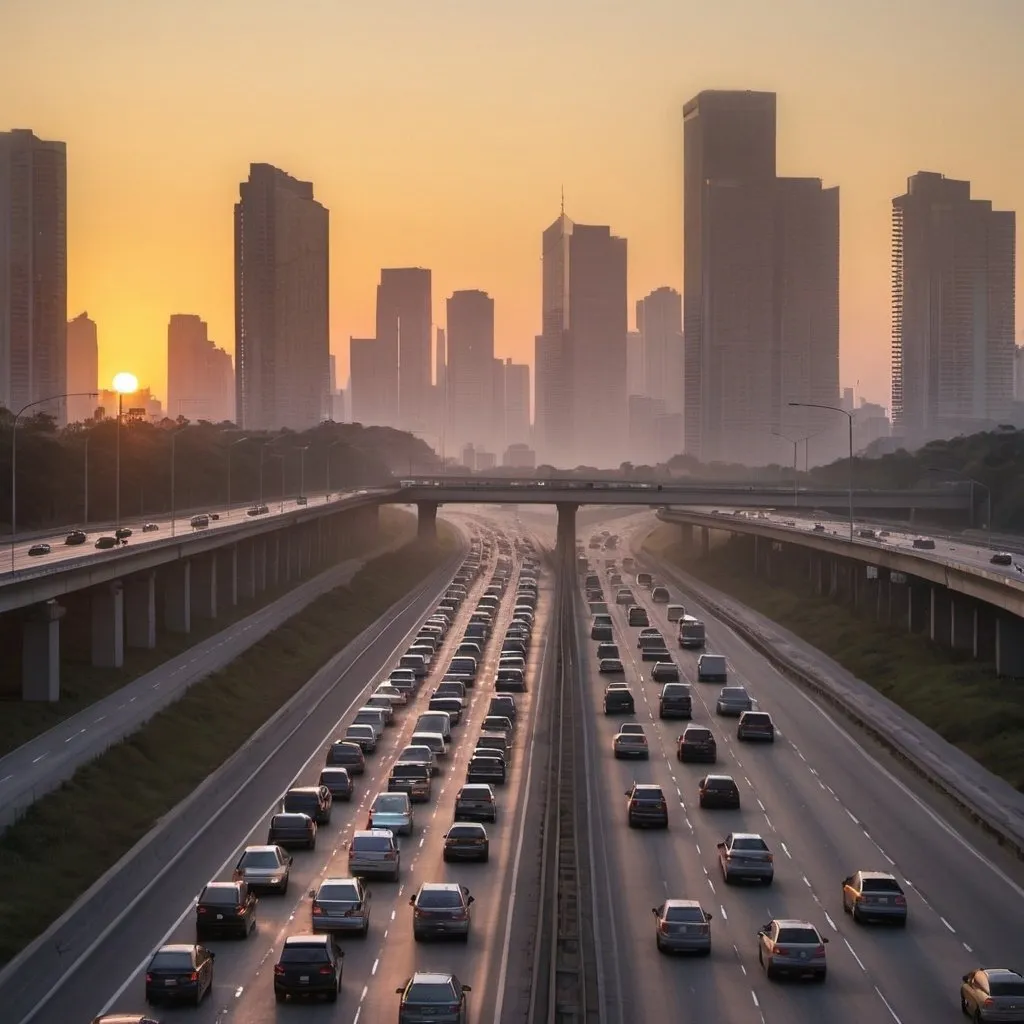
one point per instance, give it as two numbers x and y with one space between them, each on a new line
308 939
338 769
720 778
347 743
304 789
291 814
431 978
441 887
222 885
696 904
1001 972
647 785
877 874
475 787
177 947
362 833
475 825
757 835
265 848
347 880
794 922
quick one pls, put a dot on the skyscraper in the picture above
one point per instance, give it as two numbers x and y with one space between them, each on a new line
404 317
281 302
635 382
33 271
83 368
952 309
372 383
517 403
470 370
200 379
659 320
761 283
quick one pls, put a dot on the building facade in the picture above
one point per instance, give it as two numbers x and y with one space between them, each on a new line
659 322
282 306
83 368
470 370
404 324
200 376
517 403
33 272
372 383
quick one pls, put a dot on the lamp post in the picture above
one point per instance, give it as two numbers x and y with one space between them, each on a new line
175 431
302 470
796 478
85 487
231 445
14 454
333 444
974 483
280 455
849 416
124 384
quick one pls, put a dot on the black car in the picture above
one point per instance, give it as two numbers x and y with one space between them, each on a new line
338 783
123 533
466 841
434 997
75 537
290 830
503 704
315 801
756 725
346 754
719 791
697 743
453 705
39 549
226 908
105 543
647 806
179 973
618 699
475 802
309 965
486 768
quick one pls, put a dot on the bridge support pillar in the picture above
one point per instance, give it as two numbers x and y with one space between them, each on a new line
273 560
566 533
705 541
178 597
40 653
108 625
686 540
963 625
985 633
940 624
227 574
245 570
204 586
426 521
1009 646
140 611
918 606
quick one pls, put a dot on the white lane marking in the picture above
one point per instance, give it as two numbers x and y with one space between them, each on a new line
968 948
753 995
359 1010
831 923
725 916
851 816
6 778
947 924
36 760
892 1012
376 964
761 805
860 963
362 996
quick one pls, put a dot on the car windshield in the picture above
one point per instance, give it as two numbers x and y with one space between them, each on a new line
338 892
296 801
226 896
438 899
403 771
288 821
733 693
757 718
259 859
464 832
376 844
750 843
1006 988
699 736
880 885
685 914
388 802
430 992
304 955
723 784
171 961
648 795
798 936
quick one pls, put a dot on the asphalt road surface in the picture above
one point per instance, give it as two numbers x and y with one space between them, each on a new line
111 980
826 807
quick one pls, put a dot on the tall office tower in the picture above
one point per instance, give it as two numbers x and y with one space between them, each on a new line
1018 374
635 383
200 377
83 368
332 373
761 284
952 309
659 320
441 382
470 347
281 302
371 383
498 441
404 316
517 403
221 387
33 272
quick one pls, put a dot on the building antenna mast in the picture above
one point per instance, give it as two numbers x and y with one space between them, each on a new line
563 200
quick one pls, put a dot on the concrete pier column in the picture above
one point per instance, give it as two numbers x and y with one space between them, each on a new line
687 532
426 520
204 586
1009 646
963 625
245 570
40 653
261 567
177 588
918 606
140 611
227 575
940 618
107 612
565 544
705 541
985 633
274 546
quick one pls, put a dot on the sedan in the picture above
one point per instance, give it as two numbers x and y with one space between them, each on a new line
179 973
365 736
630 743
874 896
441 910
466 841
150 527
486 767
292 830
1002 558
792 947
264 868
341 905
993 993
610 667
435 997
39 549
75 537
226 907
756 725
682 926
348 755
744 856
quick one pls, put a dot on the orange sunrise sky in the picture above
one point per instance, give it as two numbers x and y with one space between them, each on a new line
440 133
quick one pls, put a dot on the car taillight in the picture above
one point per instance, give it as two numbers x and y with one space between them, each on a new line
770 858
200 910
317 910
237 875
989 1002
460 915
326 970
390 855
663 927
278 969
416 912
194 976
819 950
901 901
149 977
780 951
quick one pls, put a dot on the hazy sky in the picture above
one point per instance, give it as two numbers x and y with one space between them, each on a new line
440 133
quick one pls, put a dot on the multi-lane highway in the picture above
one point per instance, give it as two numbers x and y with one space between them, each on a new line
166 526
826 808
111 979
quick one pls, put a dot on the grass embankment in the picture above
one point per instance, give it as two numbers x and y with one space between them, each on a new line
68 839
961 699
82 684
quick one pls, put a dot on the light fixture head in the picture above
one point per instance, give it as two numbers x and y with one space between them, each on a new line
126 383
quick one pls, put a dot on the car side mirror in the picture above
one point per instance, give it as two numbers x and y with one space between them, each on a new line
848 881
412 901
291 860
761 931
472 899
399 990
721 846
654 911
213 956
825 939
626 793
708 916
312 893
467 988
966 977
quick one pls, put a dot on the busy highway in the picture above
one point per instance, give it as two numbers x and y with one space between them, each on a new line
824 808
246 972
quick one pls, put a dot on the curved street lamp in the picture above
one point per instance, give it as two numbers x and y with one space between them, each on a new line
849 416
124 384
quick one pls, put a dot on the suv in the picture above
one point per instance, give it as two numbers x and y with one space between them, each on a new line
341 905
665 671
618 699
315 801
647 806
660 595
697 743
374 851
675 701
637 616
474 802
410 778
348 755
441 909
756 725
432 996
712 668
337 782
718 791
225 907
309 965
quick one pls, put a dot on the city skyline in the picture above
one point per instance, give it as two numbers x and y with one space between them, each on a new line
133 262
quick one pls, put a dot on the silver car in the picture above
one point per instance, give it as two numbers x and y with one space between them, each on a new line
874 896
392 811
993 994
733 700
418 753
630 741
264 868
375 852
682 926
340 905
744 856
792 947
363 735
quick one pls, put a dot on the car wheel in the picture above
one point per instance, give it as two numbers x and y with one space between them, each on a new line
657 942
283 887
486 856
964 1008
857 919
726 877
821 975
332 996
394 877
279 997
768 880
366 928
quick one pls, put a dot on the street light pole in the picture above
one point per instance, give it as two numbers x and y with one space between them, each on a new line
14 455
85 490
124 384
849 416
796 472
302 470
231 445
333 444
974 483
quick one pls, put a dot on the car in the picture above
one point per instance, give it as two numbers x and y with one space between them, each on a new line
876 896
675 612
374 852
179 973
348 755
475 802
682 926
630 743
744 856
122 533
999 558
499 723
437 997
924 543
618 699
226 907
258 510
655 654
106 543
124 1018
786 946
647 806
39 549
610 667
433 741
503 704
264 868
393 809
756 725
466 841
819 528
150 527
440 910
993 993
733 701
485 766
637 616
607 650
290 830
665 672
76 537
675 701
316 801
712 668
338 783
624 596
364 735
718 791
660 595
309 965
510 680
410 779
697 743
340 905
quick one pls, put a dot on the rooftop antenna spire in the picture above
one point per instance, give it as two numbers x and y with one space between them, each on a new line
563 200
